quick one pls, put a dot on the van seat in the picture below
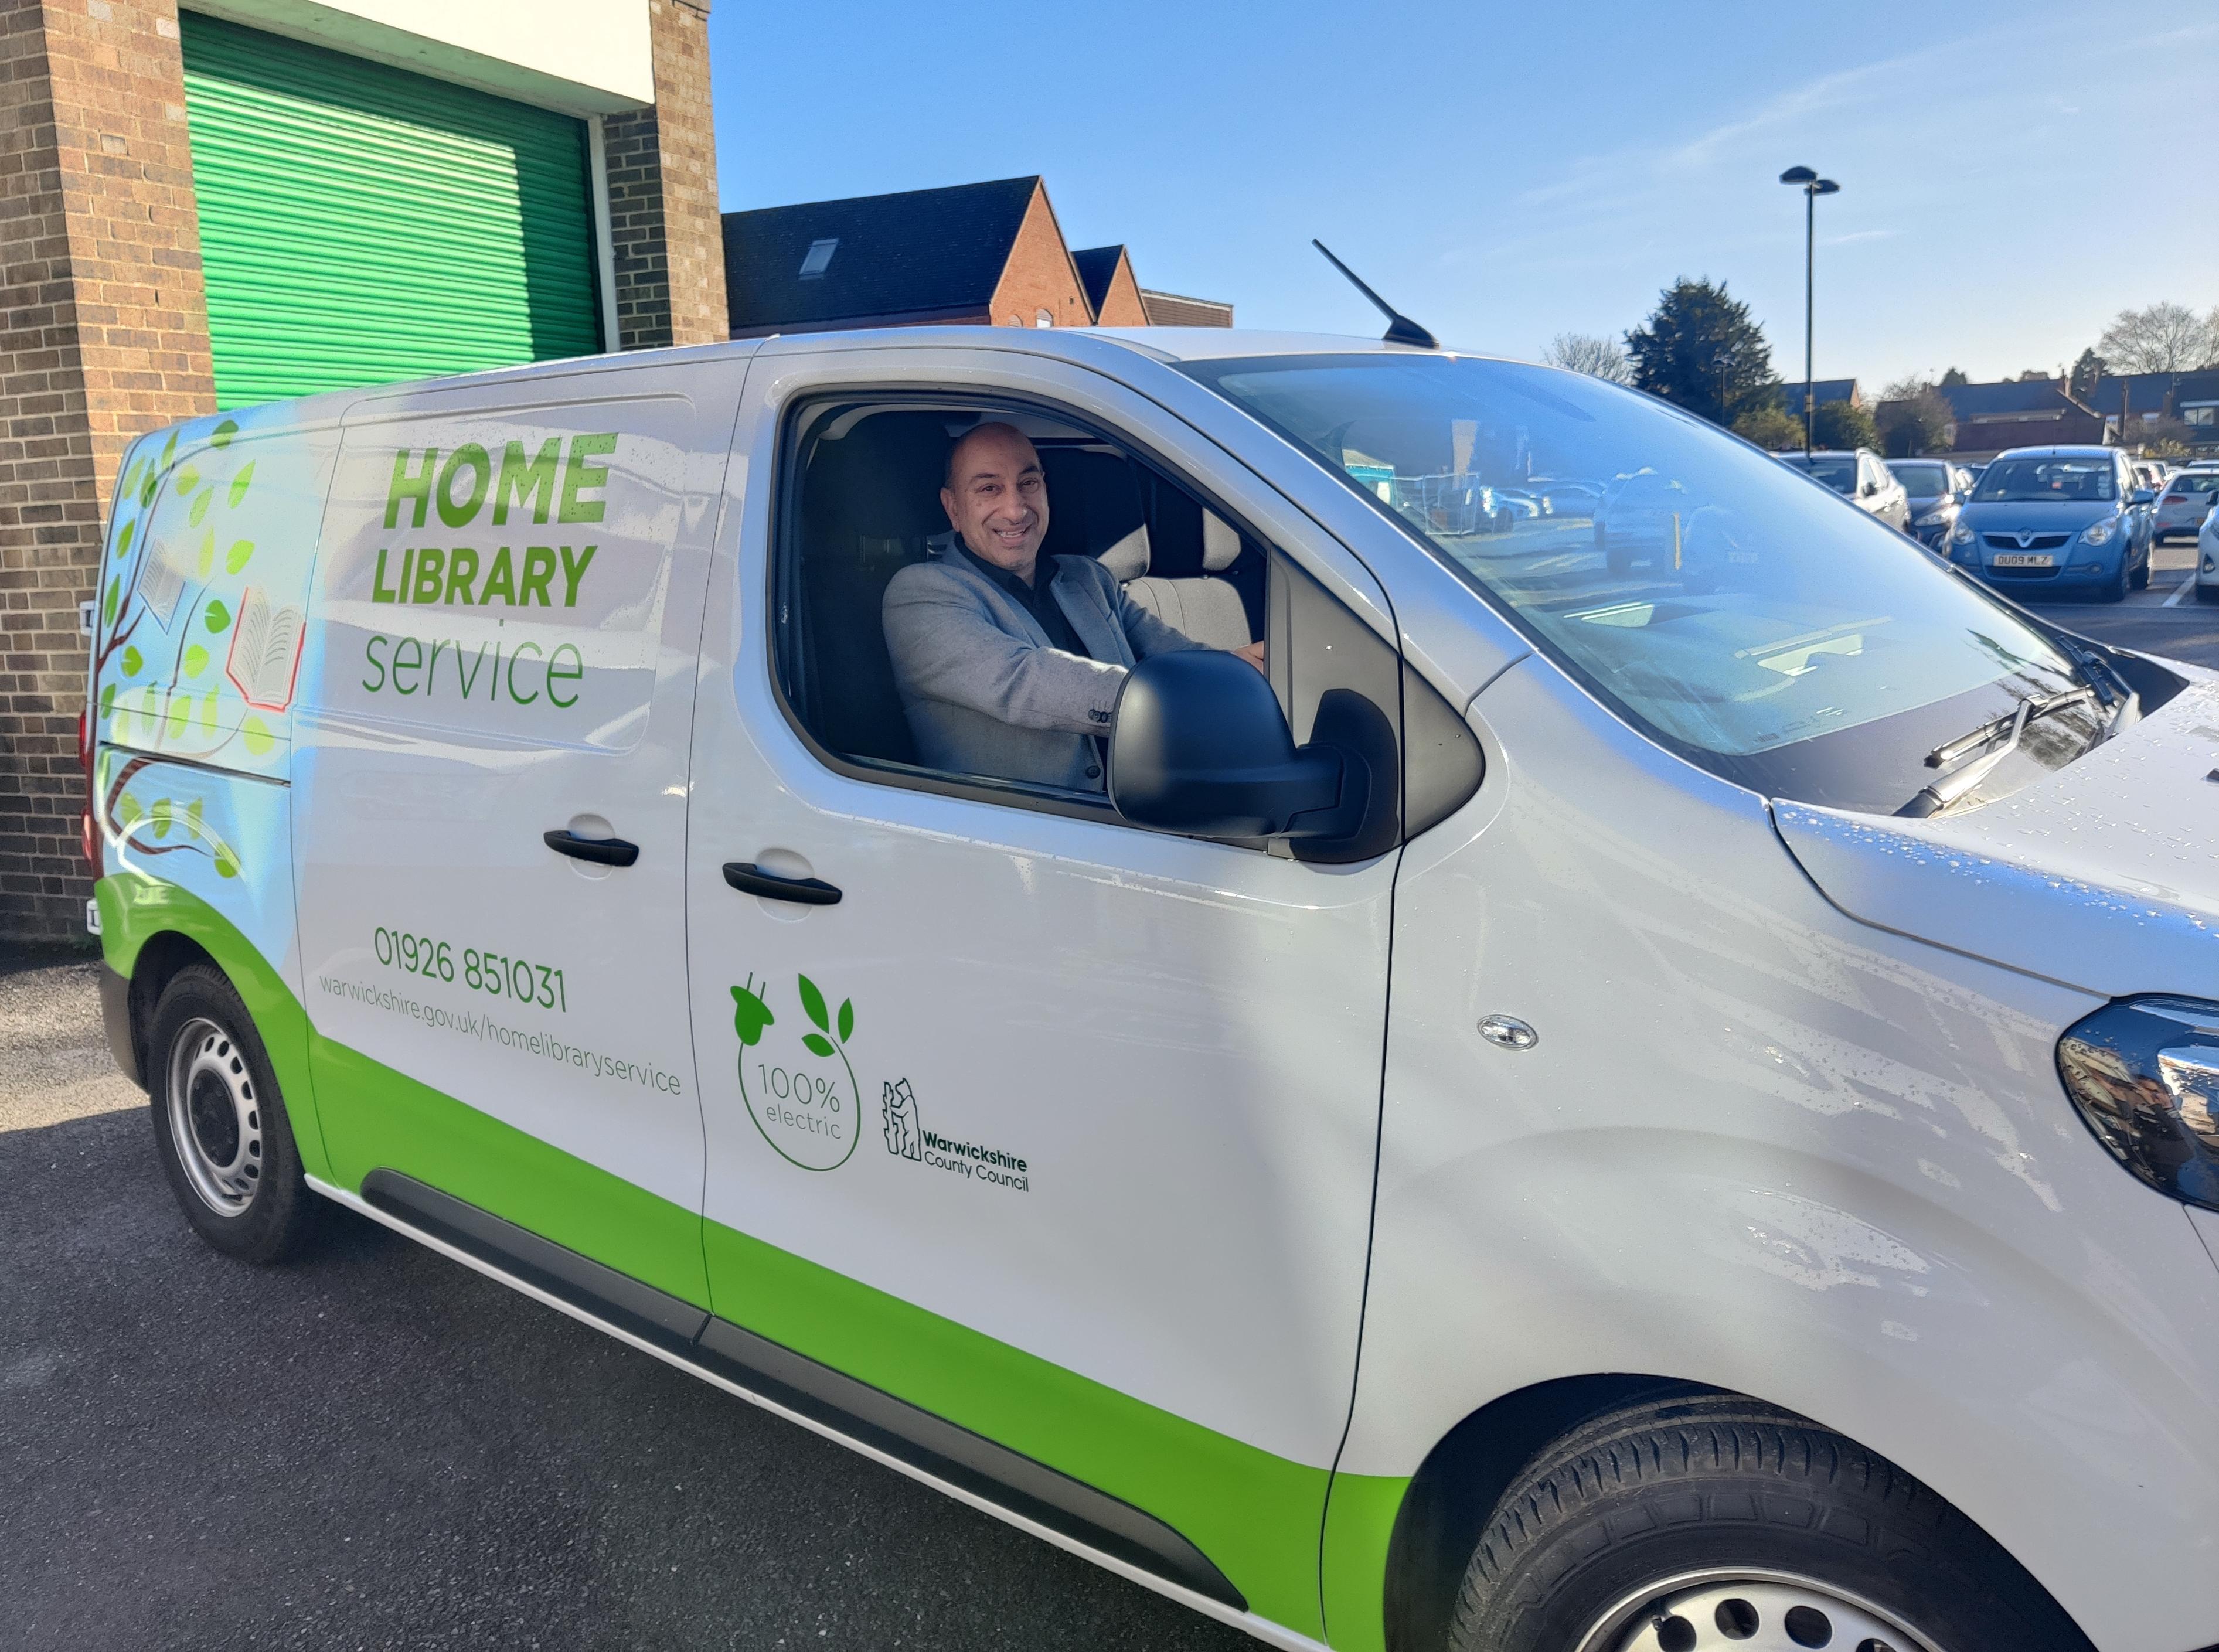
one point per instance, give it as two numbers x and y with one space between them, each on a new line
871 499
1208 609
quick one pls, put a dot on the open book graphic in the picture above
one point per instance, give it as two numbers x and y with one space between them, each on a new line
161 581
266 651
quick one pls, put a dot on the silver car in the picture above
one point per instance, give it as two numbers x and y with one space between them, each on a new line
1862 478
2186 500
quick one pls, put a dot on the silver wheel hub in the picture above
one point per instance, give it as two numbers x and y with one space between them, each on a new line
1747 1611
214 1118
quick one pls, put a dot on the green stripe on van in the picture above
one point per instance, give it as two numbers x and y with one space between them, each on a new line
1258 1518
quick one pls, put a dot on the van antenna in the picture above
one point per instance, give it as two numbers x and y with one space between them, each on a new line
1401 329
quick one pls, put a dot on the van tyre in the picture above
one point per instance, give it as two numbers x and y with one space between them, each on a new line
220 1123
1690 1525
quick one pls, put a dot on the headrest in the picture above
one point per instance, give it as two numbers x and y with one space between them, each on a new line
1128 559
1221 541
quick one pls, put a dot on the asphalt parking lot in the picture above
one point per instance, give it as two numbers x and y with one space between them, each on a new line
377 1448
2166 619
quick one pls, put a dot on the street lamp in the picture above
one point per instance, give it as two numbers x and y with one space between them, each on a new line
1813 186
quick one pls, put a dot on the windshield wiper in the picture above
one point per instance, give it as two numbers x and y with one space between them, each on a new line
2000 736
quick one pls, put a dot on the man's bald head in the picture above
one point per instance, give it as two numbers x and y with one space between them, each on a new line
995 496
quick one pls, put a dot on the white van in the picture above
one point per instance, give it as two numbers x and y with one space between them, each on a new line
1580 1108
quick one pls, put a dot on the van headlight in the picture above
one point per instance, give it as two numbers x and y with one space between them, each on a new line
2145 1075
1932 520
2099 533
1962 535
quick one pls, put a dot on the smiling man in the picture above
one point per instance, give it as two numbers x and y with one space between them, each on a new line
1009 663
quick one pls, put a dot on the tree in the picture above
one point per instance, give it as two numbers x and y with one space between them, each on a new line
1701 351
2163 339
1843 425
1769 425
1953 377
2035 375
1913 417
1590 353
2085 371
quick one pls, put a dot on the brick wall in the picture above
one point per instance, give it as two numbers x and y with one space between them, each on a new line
665 235
105 336
1040 274
1120 303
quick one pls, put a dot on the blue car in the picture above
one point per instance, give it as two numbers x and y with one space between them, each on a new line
2070 520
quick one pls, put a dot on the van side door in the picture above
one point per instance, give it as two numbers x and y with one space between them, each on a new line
1045 1125
490 796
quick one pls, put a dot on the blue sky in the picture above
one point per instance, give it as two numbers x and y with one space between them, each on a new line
1506 173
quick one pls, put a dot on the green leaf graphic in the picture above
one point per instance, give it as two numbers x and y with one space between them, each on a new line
208 544
218 616
201 503
107 699
127 809
238 483
124 536
195 660
146 488
180 713
130 483
847 1019
170 450
107 603
132 661
160 816
226 863
818 1043
187 479
235 558
193 817
221 435
813 1004
256 733
208 711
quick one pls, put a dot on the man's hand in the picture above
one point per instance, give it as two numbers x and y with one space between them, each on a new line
1253 654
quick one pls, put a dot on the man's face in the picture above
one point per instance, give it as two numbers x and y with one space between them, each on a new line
996 497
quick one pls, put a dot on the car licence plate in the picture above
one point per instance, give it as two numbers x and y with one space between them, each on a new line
2023 559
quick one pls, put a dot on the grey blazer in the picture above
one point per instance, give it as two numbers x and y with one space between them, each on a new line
984 691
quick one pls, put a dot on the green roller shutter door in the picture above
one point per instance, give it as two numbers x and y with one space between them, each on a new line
361 225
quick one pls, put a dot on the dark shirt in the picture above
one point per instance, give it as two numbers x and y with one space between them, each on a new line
1037 600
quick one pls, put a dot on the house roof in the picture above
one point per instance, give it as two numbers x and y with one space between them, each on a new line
916 255
1098 266
2150 392
1790 396
2009 398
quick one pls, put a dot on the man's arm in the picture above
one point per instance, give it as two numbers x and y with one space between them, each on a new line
947 647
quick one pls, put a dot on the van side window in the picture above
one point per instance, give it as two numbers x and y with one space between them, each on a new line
907 650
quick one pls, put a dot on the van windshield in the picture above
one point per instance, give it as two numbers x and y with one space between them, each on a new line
1759 625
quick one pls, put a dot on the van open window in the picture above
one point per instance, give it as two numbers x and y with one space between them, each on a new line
903 651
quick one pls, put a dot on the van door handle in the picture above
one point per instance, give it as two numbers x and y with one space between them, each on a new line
746 875
602 851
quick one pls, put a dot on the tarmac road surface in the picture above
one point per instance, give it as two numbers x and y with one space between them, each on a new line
377 1448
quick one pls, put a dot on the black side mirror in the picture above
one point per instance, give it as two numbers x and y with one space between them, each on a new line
1200 746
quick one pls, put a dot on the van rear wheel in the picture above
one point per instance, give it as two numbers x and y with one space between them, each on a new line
220 1123
1691 1525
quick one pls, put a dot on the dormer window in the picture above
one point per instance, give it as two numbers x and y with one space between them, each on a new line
819 258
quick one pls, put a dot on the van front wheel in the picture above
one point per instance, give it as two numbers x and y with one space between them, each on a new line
220 1123
1694 1524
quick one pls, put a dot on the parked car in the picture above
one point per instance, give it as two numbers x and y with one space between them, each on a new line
1641 517
2207 557
1935 489
1569 498
1862 478
2188 497
2057 519
1773 1198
